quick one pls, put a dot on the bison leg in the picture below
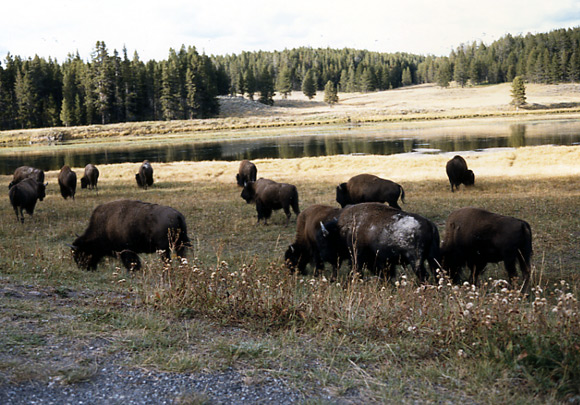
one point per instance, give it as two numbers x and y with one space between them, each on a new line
525 268
130 260
21 217
394 204
288 214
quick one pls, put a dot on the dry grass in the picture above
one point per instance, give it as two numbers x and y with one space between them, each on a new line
235 305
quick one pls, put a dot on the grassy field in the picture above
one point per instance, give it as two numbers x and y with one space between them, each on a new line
233 303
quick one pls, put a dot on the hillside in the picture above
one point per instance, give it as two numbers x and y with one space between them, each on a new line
414 103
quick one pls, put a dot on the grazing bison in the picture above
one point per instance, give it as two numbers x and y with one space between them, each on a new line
458 173
475 237
90 178
24 194
124 228
369 188
25 172
145 176
378 237
247 172
269 195
67 180
304 249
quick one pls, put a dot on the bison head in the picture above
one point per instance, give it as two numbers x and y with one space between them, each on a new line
342 195
84 182
292 256
469 178
41 190
249 192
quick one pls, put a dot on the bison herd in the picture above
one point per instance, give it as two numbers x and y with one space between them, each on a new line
365 232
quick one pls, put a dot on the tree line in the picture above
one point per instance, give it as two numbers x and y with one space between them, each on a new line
109 87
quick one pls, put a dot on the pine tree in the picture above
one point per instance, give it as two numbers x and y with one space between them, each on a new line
266 87
443 75
407 78
284 82
518 92
330 95
308 85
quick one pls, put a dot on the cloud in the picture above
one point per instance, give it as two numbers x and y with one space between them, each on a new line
60 27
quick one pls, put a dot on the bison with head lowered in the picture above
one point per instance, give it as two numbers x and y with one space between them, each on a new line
377 237
24 194
144 177
126 227
475 237
269 195
458 173
304 249
246 172
369 188
91 177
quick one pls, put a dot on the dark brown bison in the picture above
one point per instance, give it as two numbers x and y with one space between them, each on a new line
458 173
369 188
377 237
247 172
67 181
269 195
145 176
24 194
25 172
475 237
304 249
124 228
91 177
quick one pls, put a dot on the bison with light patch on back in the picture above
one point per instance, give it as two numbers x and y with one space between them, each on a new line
124 228
369 188
458 173
269 195
247 172
25 172
304 249
377 237
91 177
67 181
475 237
23 196
145 176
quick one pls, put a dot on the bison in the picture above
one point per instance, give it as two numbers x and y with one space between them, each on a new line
269 195
458 173
378 237
124 228
91 177
475 237
247 172
304 249
67 180
24 172
145 176
369 188
24 194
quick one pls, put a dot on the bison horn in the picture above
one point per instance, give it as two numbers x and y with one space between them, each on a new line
323 229
73 247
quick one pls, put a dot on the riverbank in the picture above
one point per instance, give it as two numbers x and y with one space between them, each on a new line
408 105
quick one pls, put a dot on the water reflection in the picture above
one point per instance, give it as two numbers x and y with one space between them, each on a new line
355 141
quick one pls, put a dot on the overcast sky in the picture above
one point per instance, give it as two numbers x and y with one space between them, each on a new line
56 28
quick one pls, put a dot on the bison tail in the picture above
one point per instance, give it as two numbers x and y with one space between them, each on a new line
402 194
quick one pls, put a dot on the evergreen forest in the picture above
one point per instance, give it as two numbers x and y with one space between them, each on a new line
111 87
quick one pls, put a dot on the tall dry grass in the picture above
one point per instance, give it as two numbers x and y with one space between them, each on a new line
494 340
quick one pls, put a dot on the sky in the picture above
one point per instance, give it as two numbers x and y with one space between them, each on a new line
58 28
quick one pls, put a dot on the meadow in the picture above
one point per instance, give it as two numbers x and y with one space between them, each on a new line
232 302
